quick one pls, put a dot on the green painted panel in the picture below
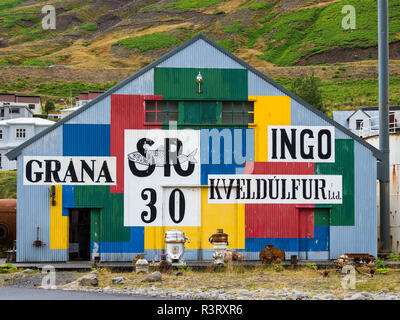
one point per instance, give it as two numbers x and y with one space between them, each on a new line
218 84
112 210
95 228
321 217
199 112
343 214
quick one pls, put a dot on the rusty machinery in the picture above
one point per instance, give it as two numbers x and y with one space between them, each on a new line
271 255
8 217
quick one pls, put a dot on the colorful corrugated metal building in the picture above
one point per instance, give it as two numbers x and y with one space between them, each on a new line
283 173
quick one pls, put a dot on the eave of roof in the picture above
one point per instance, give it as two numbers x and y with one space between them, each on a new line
12 155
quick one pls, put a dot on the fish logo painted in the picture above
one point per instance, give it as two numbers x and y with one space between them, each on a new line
157 157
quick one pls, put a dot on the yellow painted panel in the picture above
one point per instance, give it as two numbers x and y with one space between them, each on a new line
229 217
59 225
268 110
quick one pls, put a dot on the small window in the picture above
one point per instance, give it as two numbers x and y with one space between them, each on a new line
21 133
238 112
1 134
14 110
161 111
359 124
1 158
31 106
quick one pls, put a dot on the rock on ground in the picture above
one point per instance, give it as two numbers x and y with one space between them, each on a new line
153 277
118 280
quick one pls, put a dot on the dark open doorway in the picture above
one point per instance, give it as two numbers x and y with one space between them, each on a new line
79 234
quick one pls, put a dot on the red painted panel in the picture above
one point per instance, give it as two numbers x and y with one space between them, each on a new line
127 112
276 220
306 222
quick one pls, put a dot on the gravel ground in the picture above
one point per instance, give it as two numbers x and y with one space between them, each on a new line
240 284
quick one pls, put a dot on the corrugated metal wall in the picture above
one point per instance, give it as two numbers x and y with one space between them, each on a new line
99 130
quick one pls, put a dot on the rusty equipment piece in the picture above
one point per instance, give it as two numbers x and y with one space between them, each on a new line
363 263
220 242
8 217
164 265
220 236
271 255
233 256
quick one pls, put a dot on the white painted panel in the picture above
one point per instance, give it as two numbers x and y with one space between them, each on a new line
153 162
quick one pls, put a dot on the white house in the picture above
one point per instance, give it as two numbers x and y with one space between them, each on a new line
32 103
13 132
364 122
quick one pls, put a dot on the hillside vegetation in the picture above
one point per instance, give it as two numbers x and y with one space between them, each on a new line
131 34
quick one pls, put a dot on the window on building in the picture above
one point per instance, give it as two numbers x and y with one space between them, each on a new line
21 133
1 158
1 134
238 112
161 111
14 110
31 106
359 124
200 112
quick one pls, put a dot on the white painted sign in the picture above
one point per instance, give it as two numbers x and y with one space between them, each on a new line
49 170
279 189
301 144
161 170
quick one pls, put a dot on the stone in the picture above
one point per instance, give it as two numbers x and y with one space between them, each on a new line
153 277
118 280
243 292
28 271
358 296
89 280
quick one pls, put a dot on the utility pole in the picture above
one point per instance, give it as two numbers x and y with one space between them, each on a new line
384 167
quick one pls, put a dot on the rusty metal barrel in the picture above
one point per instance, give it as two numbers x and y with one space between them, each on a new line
8 218
220 236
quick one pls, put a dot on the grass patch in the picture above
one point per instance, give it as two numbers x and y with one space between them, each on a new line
89 27
236 27
228 44
8 185
186 5
149 42
147 8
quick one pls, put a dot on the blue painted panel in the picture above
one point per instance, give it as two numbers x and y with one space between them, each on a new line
67 199
320 242
225 151
136 243
86 140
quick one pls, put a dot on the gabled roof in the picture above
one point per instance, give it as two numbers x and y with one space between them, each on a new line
361 109
12 155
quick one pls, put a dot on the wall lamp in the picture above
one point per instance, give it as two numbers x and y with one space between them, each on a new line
199 81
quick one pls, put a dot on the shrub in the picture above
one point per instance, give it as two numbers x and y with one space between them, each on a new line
34 62
311 266
306 87
393 257
380 264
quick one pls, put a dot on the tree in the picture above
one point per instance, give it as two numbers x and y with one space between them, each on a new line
306 87
49 106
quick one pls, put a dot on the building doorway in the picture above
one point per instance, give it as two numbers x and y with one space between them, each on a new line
79 234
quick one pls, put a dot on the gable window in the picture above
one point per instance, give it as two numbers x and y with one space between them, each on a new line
238 112
161 111
31 106
359 124
21 133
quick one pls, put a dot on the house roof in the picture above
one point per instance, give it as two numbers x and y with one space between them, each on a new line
12 155
19 121
362 110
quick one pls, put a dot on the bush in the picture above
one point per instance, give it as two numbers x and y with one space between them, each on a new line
49 106
306 87
393 257
311 266
380 264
